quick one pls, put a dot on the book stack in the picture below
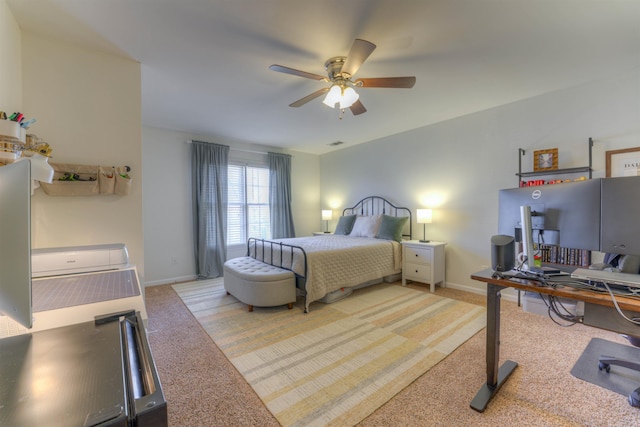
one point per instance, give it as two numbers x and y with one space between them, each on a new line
552 254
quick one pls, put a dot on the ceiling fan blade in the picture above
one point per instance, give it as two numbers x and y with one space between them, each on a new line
294 72
360 51
314 95
357 108
393 82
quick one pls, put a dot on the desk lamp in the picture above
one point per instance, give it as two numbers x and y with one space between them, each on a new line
424 216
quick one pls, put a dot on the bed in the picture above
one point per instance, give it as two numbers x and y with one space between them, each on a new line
364 250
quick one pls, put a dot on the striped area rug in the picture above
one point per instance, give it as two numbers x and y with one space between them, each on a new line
340 362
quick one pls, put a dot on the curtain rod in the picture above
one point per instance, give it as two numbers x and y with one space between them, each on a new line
237 149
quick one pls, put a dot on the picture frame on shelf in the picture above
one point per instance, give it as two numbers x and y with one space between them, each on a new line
545 160
624 162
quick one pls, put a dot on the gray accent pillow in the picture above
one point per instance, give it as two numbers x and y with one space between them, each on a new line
629 264
391 227
345 224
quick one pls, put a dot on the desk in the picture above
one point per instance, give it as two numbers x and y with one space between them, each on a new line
598 313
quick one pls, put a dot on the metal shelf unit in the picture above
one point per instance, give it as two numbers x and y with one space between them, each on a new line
520 174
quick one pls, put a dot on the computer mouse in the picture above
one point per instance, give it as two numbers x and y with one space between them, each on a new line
611 269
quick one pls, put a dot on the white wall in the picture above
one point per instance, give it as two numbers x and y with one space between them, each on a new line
10 66
88 108
168 222
463 163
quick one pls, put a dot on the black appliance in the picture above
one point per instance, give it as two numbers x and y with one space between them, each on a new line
97 373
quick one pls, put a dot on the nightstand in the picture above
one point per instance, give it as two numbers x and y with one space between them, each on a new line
423 262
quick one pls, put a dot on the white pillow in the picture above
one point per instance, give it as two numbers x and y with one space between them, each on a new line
366 226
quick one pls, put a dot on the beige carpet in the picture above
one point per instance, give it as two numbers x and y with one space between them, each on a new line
340 362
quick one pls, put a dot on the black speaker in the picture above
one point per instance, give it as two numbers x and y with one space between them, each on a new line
503 252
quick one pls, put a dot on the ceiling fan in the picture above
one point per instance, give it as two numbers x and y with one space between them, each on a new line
340 71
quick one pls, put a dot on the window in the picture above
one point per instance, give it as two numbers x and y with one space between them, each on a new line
248 210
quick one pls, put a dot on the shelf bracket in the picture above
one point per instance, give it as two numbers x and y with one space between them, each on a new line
520 156
590 157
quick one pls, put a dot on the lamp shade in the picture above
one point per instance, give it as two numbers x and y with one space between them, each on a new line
424 216
333 97
349 96
345 96
327 215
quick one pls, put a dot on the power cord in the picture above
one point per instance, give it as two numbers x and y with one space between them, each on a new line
555 306
635 320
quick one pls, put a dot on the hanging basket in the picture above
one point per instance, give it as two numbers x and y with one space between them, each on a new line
85 180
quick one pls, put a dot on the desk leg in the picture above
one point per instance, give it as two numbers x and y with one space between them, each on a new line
496 376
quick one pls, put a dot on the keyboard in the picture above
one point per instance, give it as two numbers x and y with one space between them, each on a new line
608 277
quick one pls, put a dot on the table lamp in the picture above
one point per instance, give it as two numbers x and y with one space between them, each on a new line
424 216
327 215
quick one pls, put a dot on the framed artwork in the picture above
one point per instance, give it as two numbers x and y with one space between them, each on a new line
625 162
545 160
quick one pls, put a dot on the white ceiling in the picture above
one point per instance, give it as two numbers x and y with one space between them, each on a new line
205 62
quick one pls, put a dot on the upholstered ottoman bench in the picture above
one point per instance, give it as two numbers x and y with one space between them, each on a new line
258 284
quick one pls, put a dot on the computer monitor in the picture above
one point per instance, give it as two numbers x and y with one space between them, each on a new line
620 213
568 214
15 242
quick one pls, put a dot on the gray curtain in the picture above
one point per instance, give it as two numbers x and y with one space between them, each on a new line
209 164
280 196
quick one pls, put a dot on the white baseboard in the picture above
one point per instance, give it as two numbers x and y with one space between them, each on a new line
507 294
170 281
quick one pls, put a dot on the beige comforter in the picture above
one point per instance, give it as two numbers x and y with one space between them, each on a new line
335 262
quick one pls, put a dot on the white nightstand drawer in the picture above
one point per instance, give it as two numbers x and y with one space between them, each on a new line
423 262
418 272
420 255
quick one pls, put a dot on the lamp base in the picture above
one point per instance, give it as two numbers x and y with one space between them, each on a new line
424 234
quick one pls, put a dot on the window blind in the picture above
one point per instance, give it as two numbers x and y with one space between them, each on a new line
248 207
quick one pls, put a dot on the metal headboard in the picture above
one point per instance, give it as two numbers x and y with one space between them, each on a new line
375 205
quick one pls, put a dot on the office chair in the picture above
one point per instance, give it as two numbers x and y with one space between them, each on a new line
605 362
627 264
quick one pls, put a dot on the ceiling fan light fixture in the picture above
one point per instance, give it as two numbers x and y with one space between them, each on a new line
349 97
333 96
340 94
